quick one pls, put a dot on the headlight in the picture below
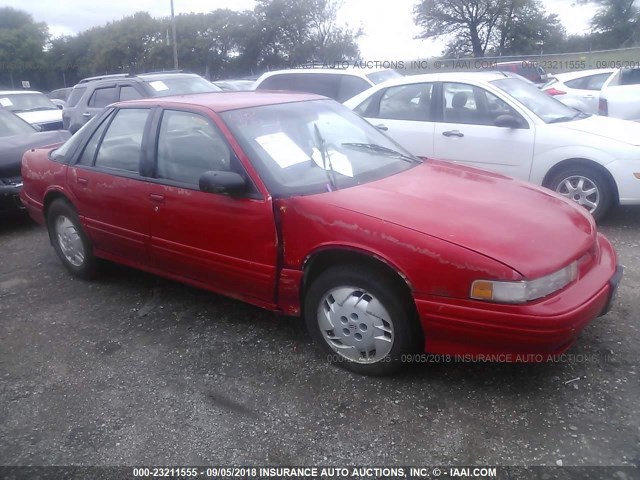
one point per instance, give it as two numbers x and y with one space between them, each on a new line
523 291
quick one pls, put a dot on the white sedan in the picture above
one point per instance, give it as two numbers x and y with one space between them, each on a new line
498 123
580 89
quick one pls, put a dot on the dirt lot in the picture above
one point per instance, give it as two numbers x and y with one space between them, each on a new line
133 369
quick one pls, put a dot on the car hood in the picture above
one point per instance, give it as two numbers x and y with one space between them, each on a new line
41 116
624 131
528 228
12 148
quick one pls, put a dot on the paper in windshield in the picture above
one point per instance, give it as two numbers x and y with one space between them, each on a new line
339 162
5 102
282 149
158 86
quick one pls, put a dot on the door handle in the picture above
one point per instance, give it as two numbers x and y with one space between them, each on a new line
155 198
82 181
382 127
453 133
86 114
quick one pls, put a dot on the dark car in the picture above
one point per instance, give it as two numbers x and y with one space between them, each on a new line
92 94
527 69
295 204
16 137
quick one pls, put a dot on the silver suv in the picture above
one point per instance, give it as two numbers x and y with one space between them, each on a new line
91 95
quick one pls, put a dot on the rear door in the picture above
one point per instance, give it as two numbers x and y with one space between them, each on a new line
110 192
467 132
587 89
224 243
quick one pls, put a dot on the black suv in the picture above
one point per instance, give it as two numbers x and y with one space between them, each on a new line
92 94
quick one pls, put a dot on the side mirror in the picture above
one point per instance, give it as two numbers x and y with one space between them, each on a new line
222 182
507 121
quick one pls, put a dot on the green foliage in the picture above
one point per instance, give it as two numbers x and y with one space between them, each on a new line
219 44
21 45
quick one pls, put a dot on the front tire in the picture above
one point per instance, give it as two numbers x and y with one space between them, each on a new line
585 186
363 321
69 240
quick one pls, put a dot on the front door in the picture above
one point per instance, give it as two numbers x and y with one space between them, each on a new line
468 133
224 243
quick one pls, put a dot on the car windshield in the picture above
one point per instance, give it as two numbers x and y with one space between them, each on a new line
11 125
547 108
315 146
383 76
163 87
26 102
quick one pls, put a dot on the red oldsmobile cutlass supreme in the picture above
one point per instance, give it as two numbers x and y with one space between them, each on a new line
293 203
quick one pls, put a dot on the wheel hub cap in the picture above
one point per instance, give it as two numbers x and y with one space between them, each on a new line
581 190
355 325
69 241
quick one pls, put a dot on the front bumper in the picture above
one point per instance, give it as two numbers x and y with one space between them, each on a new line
548 326
628 185
10 195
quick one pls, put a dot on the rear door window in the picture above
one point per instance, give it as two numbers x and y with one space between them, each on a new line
102 97
121 146
128 92
407 102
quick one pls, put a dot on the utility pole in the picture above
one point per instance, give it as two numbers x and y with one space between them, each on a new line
173 34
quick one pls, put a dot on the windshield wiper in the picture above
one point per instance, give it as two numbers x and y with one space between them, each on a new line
382 150
568 119
326 159
37 109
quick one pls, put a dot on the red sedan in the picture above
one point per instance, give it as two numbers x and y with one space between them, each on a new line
295 204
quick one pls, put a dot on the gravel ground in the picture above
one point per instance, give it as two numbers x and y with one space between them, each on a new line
132 369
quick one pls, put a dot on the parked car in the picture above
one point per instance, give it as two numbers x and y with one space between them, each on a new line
34 107
580 89
91 95
234 85
16 137
528 69
293 203
339 84
59 96
508 126
620 96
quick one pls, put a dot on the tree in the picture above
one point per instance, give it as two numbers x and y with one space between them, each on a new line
22 42
300 31
471 23
617 22
526 29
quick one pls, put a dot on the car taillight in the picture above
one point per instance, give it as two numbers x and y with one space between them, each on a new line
603 107
554 91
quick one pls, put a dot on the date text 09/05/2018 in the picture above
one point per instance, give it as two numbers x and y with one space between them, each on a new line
312 472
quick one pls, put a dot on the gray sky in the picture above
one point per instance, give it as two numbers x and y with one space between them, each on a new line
387 24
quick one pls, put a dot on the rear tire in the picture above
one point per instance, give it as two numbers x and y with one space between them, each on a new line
69 240
362 320
585 186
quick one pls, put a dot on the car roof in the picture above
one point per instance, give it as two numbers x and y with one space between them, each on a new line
485 76
351 70
232 100
581 73
526 63
146 77
18 92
